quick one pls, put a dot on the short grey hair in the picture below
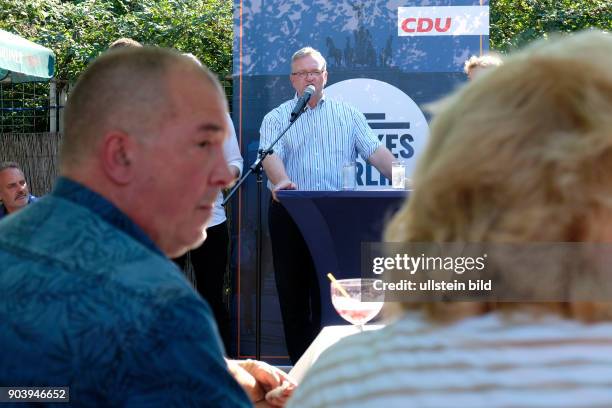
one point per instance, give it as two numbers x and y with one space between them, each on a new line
123 89
193 58
9 165
124 43
303 52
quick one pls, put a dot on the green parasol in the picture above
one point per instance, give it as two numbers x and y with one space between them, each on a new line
24 61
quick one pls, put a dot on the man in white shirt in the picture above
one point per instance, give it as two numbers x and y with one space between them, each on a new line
210 260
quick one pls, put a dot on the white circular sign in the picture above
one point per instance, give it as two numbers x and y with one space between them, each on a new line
393 116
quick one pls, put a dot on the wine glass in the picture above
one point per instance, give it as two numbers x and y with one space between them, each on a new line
356 300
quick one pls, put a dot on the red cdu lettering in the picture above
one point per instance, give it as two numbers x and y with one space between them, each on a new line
405 25
447 25
424 25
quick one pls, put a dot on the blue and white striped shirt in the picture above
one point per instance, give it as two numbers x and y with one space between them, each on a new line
319 142
490 361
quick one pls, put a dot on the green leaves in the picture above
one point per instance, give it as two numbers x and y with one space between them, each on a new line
517 22
79 30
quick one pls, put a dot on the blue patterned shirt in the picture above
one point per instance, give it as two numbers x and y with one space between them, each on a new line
319 142
4 212
90 302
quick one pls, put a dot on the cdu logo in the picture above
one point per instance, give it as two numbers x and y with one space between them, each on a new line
448 20
425 25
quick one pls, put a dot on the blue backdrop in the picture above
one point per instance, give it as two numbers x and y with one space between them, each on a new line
359 40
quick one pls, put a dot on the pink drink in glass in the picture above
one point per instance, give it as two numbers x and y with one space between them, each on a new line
351 308
354 311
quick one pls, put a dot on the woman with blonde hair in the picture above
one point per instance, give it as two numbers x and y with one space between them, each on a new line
523 155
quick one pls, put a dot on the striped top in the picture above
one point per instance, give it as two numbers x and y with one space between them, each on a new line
319 142
485 361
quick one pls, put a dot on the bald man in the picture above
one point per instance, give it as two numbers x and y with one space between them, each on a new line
90 299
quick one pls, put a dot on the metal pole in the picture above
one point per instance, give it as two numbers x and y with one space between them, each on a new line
257 168
258 275
52 106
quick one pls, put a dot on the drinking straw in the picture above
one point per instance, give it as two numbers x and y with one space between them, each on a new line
338 285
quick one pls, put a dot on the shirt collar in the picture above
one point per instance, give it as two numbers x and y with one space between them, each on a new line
295 98
79 194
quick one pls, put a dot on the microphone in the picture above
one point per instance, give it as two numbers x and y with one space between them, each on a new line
301 103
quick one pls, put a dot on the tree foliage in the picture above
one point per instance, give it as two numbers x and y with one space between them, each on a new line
79 30
517 22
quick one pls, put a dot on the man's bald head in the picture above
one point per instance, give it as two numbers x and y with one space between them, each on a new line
124 90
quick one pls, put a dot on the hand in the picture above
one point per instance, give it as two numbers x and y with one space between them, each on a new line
283 185
278 396
258 379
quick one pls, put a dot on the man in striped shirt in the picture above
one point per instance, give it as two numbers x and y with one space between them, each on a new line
309 157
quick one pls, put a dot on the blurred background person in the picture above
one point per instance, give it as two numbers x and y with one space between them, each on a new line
210 260
14 192
124 43
522 155
476 65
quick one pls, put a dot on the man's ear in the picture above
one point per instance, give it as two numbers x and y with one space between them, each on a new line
118 153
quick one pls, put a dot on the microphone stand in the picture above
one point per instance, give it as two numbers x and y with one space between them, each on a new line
257 169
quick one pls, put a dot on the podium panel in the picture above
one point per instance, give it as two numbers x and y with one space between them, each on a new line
334 224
